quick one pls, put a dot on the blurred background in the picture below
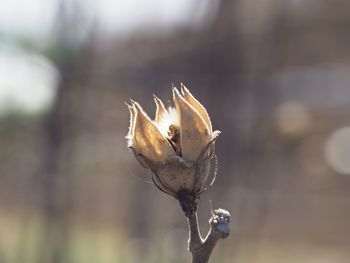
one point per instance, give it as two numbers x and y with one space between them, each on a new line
274 76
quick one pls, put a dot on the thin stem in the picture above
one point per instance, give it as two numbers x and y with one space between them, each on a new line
195 240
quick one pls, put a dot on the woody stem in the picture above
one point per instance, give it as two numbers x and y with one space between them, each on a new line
200 248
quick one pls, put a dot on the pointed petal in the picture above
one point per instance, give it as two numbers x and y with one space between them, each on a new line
147 138
197 105
160 109
129 136
194 131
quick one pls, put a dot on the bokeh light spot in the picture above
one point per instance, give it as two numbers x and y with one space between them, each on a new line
28 81
337 150
292 119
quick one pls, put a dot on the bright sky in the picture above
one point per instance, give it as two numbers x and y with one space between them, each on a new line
27 81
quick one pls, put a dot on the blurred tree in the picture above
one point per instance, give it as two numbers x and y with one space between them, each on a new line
72 57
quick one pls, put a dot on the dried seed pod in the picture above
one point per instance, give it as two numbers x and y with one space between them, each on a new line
177 146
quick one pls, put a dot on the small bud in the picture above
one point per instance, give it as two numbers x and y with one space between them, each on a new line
177 146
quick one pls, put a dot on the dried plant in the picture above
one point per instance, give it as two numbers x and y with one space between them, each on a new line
177 147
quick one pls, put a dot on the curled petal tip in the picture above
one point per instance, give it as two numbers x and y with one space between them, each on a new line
133 102
138 107
216 133
160 111
196 105
156 98
176 94
183 89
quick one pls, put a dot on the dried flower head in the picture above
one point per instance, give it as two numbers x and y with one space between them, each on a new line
176 146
